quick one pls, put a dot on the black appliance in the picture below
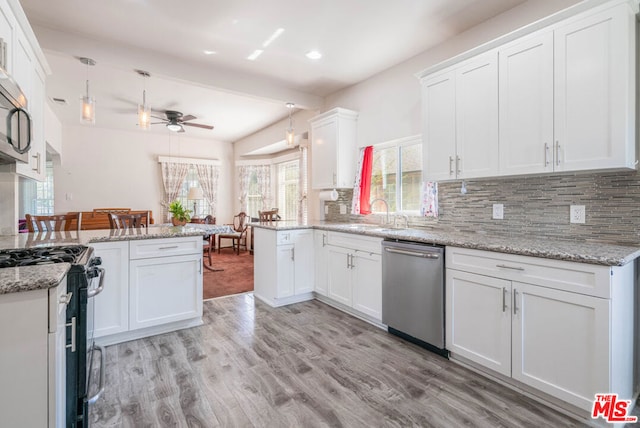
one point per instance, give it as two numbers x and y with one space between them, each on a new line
15 122
85 280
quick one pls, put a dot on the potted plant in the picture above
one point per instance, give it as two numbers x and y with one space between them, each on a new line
180 215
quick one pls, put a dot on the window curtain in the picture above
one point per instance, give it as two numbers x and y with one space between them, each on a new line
362 187
208 177
173 175
263 177
244 175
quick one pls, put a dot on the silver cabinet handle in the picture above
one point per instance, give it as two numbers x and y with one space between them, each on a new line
458 165
293 254
504 299
324 240
168 248
72 324
93 293
37 157
95 397
515 300
348 261
450 165
200 266
352 265
413 253
546 154
557 153
65 299
510 267
335 178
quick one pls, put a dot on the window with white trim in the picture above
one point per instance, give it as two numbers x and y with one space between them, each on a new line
396 176
192 180
288 189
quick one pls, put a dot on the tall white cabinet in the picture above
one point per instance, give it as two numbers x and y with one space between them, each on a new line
333 149
566 101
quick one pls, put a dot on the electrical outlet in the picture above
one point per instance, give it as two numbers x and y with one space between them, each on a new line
498 211
577 214
326 209
343 209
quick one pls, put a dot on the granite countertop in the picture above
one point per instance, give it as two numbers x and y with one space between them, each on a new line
558 249
28 278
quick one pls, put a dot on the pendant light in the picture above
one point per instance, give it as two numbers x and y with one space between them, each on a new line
144 110
88 107
290 133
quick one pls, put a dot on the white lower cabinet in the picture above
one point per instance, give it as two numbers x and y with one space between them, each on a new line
355 273
164 290
152 286
112 304
284 265
569 345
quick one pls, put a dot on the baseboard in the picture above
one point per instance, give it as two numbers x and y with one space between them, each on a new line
276 303
148 331
350 311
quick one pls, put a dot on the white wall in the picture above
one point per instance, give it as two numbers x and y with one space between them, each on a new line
113 168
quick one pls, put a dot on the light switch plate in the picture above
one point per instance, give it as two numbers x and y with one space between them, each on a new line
498 211
326 209
577 214
343 209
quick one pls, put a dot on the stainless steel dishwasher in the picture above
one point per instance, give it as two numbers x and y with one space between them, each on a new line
413 293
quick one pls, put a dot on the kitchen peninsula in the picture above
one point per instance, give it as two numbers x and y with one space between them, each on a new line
519 309
153 281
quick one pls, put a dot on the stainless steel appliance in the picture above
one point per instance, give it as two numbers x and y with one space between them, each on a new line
85 280
15 122
413 293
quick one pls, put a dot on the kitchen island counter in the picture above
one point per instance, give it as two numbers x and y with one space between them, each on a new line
534 246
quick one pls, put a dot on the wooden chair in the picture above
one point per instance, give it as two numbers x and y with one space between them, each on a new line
128 221
61 222
209 242
239 235
269 216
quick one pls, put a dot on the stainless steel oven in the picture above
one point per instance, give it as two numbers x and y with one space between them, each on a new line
15 122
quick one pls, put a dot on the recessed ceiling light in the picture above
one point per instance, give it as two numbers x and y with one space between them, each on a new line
255 55
274 36
314 54
208 52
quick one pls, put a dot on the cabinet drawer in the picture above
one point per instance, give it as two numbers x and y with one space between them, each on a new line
356 242
148 248
284 237
592 280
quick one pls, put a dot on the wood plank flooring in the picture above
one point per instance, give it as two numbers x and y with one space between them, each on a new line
306 365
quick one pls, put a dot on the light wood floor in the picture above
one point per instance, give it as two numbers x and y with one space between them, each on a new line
305 365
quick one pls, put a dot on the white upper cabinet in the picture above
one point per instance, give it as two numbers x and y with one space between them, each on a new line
461 120
595 91
477 117
7 30
526 105
558 99
333 149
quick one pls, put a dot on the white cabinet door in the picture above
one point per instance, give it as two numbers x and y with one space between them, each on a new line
478 319
112 304
367 284
321 265
36 166
339 275
561 343
7 32
285 271
303 261
526 105
324 154
594 95
164 290
439 151
477 117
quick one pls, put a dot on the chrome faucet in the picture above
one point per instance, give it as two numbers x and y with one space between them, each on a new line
404 217
386 205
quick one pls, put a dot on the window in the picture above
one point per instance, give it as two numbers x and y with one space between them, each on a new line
396 176
288 189
254 198
191 180
44 193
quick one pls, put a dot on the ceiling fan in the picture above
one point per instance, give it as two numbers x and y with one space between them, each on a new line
175 121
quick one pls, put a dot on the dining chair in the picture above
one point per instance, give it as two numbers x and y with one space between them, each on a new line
239 234
128 221
209 241
269 216
60 222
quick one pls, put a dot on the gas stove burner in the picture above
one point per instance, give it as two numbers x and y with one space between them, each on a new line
41 255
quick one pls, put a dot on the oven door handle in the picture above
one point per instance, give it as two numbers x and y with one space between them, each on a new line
95 397
95 292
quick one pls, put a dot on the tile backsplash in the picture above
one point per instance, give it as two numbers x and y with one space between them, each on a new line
533 205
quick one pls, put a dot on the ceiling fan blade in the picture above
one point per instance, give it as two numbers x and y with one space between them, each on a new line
158 117
158 123
198 125
188 117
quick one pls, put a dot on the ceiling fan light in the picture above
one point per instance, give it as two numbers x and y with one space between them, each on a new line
174 127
